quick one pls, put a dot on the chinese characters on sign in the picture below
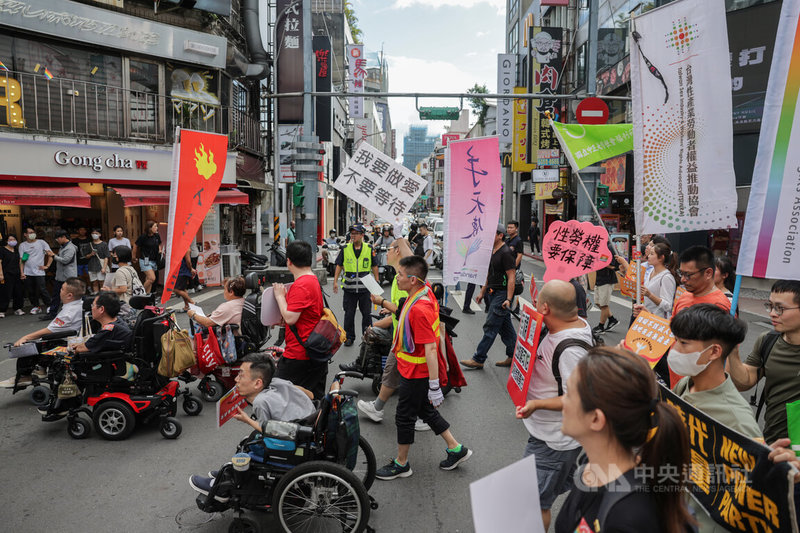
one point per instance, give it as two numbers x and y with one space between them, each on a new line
687 147
574 248
357 71
544 51
519 378
375 181
228 405
519 146
649 335
290 60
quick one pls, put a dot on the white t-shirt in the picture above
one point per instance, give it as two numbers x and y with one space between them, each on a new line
35 251
427 244
543 424
113 243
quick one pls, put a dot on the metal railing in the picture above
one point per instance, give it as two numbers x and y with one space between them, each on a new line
33 104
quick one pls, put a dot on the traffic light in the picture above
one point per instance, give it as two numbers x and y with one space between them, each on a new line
298 194
601 199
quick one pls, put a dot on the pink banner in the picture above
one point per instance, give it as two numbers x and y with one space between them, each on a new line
574 248
472 208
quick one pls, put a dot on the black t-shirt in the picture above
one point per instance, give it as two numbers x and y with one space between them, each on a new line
607 275
84 247
635 513
580 297
515 244
149 245
10 261
418 242
502 260
113 336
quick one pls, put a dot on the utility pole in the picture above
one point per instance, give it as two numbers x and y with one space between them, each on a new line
590 178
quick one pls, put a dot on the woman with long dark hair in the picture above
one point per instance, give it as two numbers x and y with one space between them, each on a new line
11 287
612 408
724 275
659 289
147 251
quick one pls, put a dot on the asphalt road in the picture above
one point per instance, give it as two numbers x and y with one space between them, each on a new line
52 482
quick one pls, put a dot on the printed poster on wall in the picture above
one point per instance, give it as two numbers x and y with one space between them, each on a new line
682 130
209 262
614 177
471 208
519 377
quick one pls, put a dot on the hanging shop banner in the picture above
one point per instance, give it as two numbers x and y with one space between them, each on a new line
471 207
530 328
289 39
356 72
545 59
731 475
519 146
506 76
373 179
649 336
198 166
587 144
771 235
614 177
322 104
574 248
683 136
544 191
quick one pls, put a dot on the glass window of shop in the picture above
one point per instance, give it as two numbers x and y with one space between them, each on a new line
580 66
144 99
194 98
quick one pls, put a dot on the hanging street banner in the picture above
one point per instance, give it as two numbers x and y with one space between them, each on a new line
471 208
521 139
356 72
731 475
586 144
770 237
198 163
682 130
519 377
574 248
373 179
545 57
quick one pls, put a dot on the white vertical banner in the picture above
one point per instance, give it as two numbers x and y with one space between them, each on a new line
772 225
356 72
683 134
506 80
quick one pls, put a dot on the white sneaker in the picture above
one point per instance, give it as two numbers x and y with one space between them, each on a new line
2 315
201 287
36 311
190 291
24 381
368 408
419 425
40 372
19 312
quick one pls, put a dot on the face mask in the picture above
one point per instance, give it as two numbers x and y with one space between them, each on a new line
685 364
31 236
95 236
12 243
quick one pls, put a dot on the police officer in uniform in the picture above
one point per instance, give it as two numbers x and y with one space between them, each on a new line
357 259
113 334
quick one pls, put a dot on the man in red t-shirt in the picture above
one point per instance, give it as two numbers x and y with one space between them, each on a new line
301 306
416 344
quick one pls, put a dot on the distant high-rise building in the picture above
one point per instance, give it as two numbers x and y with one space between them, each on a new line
417 145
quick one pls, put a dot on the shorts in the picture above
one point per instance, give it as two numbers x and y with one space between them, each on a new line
146 264
83 269
96 276
391 376
555 470
602 294
182 283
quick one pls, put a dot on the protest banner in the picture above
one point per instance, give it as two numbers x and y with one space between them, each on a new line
627 286
374 180
198 164
731 475
770 236
574 248
228 405
682 129
585 144
471 208
519 377
649 336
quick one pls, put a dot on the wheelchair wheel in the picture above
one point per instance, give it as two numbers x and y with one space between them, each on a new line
170 428
40 396
211 391
78 428
192 406
243 525
376 384
114 420
365 463
321 496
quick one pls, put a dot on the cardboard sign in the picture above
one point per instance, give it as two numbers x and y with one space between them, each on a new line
228 405
519 377
678 293
650 337
574 248
627 286
731 475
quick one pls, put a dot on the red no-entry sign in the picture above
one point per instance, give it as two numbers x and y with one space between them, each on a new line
592 111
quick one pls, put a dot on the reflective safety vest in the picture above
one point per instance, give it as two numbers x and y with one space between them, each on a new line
355 267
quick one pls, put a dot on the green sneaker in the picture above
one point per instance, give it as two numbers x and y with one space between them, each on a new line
393 471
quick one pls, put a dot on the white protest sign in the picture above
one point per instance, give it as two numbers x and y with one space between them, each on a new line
375 181
372 286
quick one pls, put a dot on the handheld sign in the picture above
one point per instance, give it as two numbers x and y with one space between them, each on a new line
228 405
650 337
627 286
574 248
519 377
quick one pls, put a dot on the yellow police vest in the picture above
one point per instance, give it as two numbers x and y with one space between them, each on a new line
355 267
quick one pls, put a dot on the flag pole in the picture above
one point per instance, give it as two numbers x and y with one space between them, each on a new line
736 289
638 269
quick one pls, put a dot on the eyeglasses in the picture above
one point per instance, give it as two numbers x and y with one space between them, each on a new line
687 275
778 309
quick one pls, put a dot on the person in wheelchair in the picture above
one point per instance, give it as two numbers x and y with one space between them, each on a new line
69 318
272 398
229 311
113 335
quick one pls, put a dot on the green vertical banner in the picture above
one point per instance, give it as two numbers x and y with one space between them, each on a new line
587 144
793 421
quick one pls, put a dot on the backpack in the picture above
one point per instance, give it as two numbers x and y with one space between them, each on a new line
766 347
519 282
137 289
563 345
325 339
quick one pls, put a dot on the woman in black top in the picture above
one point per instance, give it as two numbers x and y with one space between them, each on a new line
10 277
147 251
611 407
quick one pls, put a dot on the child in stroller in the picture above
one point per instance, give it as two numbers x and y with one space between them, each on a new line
311 472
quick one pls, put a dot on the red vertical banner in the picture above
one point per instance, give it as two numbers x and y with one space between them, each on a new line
519 377
198 162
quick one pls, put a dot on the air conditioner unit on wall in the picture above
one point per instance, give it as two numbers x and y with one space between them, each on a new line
231 265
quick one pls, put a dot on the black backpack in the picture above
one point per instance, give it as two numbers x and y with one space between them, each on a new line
563 345
766 347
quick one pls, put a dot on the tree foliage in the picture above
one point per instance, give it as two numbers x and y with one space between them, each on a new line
479 105
352 20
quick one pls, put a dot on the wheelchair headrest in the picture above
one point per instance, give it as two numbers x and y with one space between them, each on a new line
140 302
87 303
252 281
438 290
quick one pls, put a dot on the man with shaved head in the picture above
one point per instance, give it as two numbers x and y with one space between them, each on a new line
566 342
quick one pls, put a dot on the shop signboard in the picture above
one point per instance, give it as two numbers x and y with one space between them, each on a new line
506 77
546 59
209 262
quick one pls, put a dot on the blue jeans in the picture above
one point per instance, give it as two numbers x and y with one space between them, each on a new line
498 320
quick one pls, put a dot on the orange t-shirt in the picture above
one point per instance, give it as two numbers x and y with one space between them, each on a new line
424 321
687 299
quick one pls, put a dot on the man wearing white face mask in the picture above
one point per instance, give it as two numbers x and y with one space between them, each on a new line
704 336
